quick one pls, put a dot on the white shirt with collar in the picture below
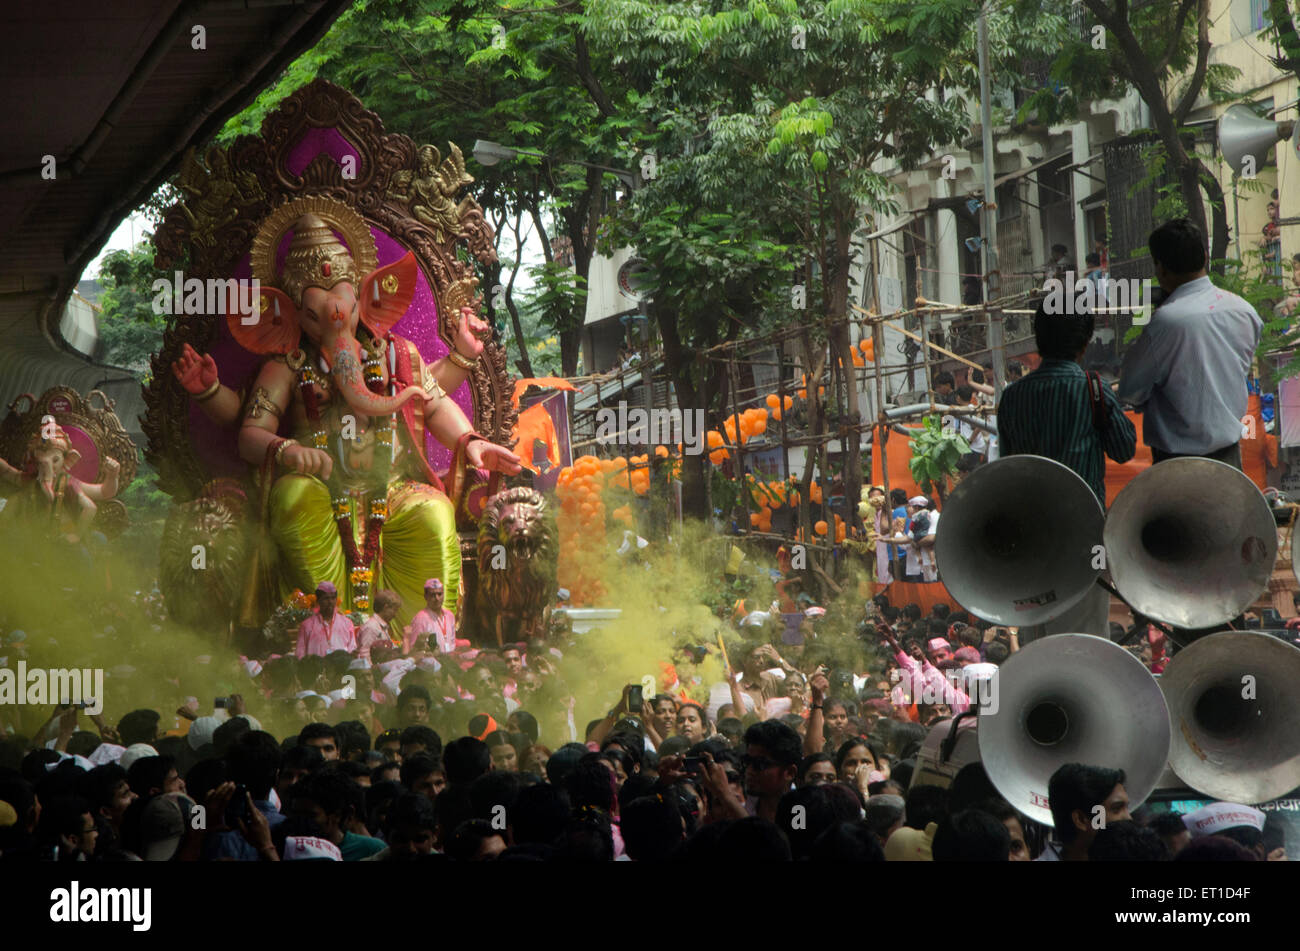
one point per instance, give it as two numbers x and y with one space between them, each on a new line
1187 371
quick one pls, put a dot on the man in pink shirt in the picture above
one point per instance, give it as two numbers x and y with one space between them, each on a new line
435 620
326 630
377 629
921 678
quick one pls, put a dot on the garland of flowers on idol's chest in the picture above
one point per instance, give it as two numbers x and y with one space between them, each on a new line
360 574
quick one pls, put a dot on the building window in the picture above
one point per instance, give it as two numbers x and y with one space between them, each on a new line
1258 15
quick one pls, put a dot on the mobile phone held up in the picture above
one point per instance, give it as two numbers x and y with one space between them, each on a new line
635 698
238 808
221 703
692 764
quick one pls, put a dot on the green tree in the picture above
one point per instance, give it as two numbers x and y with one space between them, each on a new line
129 330
542 346
1161 50
1284 29
767 120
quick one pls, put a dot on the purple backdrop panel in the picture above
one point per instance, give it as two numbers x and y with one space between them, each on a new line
87 467
316 141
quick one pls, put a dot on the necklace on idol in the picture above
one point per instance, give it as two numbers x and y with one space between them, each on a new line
360 573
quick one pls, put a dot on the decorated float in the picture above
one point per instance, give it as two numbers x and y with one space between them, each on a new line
346 418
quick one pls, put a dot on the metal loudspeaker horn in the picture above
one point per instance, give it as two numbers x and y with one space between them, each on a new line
1018 539
1191 542
1072 698
1235 716
1242 133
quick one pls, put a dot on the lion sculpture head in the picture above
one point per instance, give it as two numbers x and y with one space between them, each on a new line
517 552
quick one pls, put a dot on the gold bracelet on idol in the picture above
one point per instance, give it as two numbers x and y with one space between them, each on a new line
279 450
465 363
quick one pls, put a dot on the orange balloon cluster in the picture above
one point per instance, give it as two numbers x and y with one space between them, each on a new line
775 494
752 422
774 407
581 526
716 441
638 478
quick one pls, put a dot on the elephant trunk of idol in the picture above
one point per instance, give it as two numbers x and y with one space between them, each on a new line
345 366
46 477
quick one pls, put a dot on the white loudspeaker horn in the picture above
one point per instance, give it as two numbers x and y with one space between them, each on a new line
1018 539
1072 698
1235 716
634 280
1191 542
1242 133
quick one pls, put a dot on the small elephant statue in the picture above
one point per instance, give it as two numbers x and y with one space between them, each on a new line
54 492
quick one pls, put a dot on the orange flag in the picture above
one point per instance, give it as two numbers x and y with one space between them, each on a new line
554 382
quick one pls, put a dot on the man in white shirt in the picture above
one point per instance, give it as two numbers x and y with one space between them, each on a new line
1187 371
376 629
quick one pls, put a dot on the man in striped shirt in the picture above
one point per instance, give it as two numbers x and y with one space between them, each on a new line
1050 412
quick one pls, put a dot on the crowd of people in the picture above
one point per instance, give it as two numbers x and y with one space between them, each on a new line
429 748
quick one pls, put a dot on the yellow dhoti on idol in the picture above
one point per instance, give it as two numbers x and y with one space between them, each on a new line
418 541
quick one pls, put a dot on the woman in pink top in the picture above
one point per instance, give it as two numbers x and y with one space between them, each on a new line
434 620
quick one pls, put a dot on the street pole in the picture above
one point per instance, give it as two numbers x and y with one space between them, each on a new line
992 277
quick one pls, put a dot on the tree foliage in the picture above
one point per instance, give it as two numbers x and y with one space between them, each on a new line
770 122
935 454
129 330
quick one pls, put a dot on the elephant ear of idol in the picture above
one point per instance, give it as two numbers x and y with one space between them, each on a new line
387 292
269 327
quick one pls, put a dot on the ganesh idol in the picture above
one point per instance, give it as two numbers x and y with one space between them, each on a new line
336 416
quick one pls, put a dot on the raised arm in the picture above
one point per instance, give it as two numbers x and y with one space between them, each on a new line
606 725
99 491
454 369
814 740
9 474
197 375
